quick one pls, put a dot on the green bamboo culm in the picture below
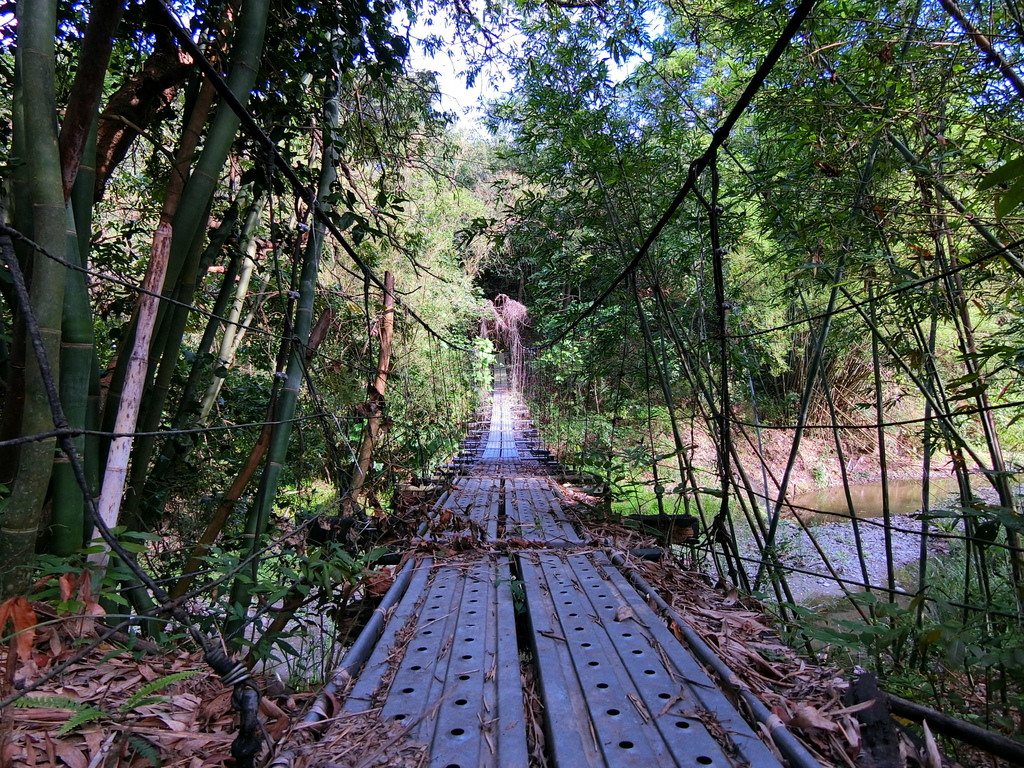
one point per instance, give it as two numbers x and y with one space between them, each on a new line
19 200
191 215
79 368
46 218
233 333
77 360
259 512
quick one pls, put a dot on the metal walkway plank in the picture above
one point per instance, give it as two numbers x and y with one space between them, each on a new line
534 513
617 691
451 670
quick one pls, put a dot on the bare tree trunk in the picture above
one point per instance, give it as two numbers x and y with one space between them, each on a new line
375 401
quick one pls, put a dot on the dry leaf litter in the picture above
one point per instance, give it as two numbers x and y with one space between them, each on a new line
189 722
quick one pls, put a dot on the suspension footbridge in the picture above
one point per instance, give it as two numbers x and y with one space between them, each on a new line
520 623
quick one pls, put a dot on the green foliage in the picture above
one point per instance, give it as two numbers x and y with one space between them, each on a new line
84 714
1010 174
144 696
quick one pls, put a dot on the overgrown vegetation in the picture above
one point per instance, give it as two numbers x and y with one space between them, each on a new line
837 296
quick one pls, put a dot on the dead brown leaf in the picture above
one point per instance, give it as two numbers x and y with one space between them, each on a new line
807 717
18 611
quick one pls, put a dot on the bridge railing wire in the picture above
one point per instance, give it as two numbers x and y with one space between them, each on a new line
983 522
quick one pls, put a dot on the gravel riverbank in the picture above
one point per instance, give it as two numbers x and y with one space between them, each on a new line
838 543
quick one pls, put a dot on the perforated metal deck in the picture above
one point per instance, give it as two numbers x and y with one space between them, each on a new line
448 664
608 664
533 513
616 687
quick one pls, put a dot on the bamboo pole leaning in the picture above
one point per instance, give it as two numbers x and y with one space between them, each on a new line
116 472
166 352
259 512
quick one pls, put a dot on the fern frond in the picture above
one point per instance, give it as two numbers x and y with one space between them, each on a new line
84 716
153 686
49 702
146 748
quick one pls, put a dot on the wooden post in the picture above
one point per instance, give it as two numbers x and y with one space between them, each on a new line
375 395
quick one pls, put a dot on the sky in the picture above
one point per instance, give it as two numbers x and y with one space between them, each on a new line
448 64
467 103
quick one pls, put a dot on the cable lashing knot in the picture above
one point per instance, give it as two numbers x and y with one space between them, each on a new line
245 700
229 671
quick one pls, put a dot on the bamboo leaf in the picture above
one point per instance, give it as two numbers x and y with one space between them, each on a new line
1011 199
1004 173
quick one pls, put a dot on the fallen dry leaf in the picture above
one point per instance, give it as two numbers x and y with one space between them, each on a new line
808 717
624 613
21 615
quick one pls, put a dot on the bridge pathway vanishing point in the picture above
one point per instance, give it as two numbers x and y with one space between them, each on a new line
446 651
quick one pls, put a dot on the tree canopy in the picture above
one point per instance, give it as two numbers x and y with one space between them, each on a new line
708 221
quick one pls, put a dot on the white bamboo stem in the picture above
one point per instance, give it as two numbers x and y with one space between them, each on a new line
112 490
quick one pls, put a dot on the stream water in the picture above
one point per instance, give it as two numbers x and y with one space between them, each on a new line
905 496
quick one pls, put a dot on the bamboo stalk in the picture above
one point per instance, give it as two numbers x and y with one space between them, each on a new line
375 401
233 332
259 512
77 363
46 219
805 405
225 508
167 349
83 99
191 213
115 474
883 464
984 45
841 458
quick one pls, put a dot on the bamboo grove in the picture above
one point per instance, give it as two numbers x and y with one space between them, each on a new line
755 258
211 345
